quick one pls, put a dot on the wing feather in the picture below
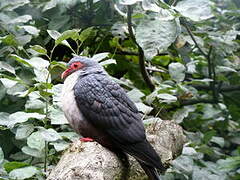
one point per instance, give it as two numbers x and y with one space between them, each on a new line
105 104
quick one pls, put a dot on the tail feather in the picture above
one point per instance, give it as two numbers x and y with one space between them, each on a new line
150 171
145 153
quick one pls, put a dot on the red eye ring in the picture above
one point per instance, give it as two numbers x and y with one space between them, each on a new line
76 65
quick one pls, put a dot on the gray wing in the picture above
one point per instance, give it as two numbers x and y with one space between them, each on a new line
105 105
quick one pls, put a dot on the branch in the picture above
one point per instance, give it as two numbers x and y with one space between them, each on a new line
144 73
211 68
196 101
222 89
194 40
89 160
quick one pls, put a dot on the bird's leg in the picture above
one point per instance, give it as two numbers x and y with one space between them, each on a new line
86 139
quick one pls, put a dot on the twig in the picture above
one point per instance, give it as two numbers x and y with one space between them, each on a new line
221 89
196 101
194 40
211 68
143 70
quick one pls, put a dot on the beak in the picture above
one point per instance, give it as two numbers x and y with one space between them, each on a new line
65 73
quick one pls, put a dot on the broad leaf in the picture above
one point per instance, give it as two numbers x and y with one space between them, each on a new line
21 19
50 135
39 49
20 60
20 117
23 173
60 145
55 35
57 116
195 10
23 131
7 67
135 95
9 166
4 118
100 56
143 108
31 30
177 71
73 34
167 97
32 152
128 2
36 141
156 36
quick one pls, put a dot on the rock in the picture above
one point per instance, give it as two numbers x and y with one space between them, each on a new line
91 161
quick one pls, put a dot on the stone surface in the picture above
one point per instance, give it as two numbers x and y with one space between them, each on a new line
91 161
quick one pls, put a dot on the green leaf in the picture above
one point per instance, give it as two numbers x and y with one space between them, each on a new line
180 114
8 83
23 173
135 95
20 60
49 5
57 116
100 56
20 117
39 49
218 140
21 19
9 40
69 135
183 163
177 71
128 2
42 75
73 34
195 10
23 131
143 108
55 35
1 156
35 104
31 30
7 67
167 97
156 36
221 69
4 118
36 141
208 135
86 33
9 166
189 151
50 135
32 152
60 145
107 62
230 163
38 63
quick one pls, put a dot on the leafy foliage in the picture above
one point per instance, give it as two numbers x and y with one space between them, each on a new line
191 54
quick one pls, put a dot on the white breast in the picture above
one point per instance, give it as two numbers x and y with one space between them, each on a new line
69 105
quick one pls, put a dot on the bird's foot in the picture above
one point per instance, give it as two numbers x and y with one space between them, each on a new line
87 139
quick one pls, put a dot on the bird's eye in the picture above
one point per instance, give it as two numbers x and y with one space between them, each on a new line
75 65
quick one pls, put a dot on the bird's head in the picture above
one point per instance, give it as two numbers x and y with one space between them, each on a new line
79 63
